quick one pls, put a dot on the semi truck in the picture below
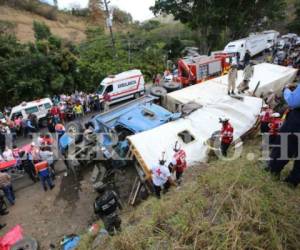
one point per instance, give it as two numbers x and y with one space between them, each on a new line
255 44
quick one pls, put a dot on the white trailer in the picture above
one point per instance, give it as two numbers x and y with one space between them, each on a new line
255 44
272 37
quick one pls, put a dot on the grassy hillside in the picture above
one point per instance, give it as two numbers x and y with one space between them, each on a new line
20 23
225 205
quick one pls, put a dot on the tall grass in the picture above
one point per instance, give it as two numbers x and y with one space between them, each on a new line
230 205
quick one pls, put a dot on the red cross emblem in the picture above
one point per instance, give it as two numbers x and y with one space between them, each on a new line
158 172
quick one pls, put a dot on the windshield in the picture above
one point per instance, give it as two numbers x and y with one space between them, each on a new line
101 89
31 110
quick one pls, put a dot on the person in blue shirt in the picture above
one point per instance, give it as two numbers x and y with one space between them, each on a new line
291 126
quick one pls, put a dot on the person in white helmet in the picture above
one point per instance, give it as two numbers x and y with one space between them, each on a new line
161 177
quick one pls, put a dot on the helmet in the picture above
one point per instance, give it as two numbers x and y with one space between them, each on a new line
177 146
265 106
162 161
276 115
223 119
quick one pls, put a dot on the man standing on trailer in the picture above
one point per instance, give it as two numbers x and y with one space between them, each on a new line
248 74
232 77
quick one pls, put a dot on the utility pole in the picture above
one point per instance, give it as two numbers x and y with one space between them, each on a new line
109 24
55 4
129 49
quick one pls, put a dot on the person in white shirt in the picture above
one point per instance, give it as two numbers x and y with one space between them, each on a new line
8 154
161 177
47 155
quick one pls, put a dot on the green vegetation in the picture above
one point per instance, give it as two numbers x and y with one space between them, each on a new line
223 205
214 18
53 66
50 65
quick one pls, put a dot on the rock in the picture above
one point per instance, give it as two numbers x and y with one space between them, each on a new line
103 235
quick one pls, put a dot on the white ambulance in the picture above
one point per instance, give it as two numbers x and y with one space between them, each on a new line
39 108
126 85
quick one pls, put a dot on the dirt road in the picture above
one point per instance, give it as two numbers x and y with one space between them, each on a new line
48 216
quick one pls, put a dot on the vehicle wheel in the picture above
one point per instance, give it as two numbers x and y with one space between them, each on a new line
75 131
171 86
136 95
27 243
158 91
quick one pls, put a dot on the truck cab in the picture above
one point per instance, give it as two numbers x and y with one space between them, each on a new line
112 128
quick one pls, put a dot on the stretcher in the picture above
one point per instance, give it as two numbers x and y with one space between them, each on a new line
12 168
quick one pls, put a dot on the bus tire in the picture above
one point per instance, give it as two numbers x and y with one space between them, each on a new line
172 86
158 91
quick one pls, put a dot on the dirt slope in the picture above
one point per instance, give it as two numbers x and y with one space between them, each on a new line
66 26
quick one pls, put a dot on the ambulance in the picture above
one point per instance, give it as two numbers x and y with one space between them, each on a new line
39 108
126 85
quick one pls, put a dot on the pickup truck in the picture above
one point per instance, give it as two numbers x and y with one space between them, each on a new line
103 141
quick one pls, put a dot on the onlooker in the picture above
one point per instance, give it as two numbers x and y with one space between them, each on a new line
6 186
8 154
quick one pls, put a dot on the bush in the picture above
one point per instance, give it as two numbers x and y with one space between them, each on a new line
6 27
41 30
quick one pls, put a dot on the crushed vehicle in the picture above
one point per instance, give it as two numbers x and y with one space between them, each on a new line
103 143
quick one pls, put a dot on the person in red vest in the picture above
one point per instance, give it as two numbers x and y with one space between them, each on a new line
226 136
55 113
42 170
265 118
274 127
178 163
60 130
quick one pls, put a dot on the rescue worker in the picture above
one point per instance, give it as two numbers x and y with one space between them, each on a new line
43 172
247 74
106 207
291 126
232 76
178 163
226 136
265 118
161 177
60 130
28 165
274 127
48 156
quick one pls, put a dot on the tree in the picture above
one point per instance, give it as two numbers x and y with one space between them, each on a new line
96 9
294 26
212 17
